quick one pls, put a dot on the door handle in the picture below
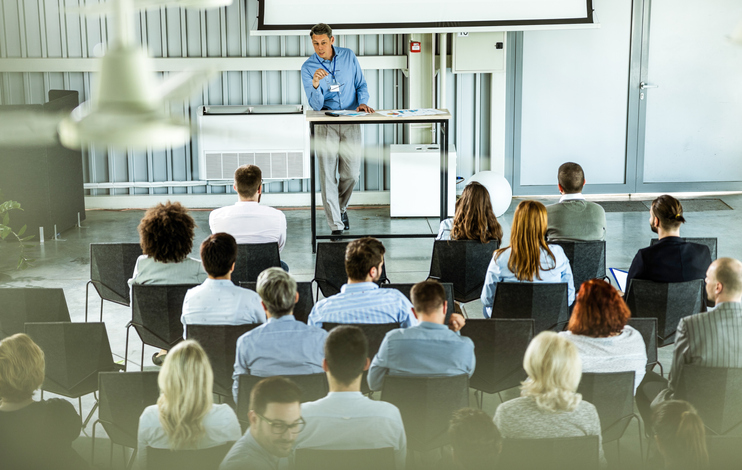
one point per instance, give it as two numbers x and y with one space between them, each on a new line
644 86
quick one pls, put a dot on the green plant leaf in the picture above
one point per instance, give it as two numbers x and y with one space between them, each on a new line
26 238
22 231
5 232
6 219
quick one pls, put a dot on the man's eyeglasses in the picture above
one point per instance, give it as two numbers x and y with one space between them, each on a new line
279 427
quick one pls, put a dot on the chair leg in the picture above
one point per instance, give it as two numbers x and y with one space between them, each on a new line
101 311
639 430
141 362
92 444
79 402
90 415
131 459
126 350
87 287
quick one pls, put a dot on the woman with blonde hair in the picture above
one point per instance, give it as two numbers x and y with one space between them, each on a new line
474 218
185 416
549 405
528 258
681 436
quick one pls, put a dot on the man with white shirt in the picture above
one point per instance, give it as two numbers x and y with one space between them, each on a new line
248 221
573 218
345 419
218 301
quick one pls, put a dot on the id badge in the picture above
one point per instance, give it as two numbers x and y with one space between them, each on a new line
335 87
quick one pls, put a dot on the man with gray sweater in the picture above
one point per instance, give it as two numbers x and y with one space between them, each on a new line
573 218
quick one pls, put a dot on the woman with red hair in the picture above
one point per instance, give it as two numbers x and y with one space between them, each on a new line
598 328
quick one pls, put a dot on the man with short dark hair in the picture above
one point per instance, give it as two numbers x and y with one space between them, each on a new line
475 440
573 218
247 220
275 422
429 349
218 301
345 419
283 345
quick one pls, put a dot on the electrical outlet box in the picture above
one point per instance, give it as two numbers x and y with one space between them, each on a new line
478 53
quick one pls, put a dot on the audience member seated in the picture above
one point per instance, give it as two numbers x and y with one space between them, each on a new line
185 416
671 259
680 436
598 328
34 435
218 301
474 218
283 346
708 339
528 258
573 218
166 236
247 220
275 422
475 440
361 300
429 349
549 406
345 419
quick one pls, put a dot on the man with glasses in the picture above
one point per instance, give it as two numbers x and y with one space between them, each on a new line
275 422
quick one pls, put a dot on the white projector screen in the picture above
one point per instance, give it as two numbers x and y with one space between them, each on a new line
409 16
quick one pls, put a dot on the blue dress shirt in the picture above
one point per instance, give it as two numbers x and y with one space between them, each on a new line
364 302
282 346
428 350
551 271
347 73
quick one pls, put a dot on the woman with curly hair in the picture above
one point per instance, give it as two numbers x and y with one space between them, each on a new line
598 328
474 218
185 416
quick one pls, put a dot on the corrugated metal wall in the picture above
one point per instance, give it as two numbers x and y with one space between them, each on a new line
44 29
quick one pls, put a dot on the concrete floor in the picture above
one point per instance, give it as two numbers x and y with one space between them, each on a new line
64 264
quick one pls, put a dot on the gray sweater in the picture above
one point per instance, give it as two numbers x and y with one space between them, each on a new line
575 220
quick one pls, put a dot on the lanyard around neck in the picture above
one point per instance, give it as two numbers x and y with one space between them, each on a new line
334 63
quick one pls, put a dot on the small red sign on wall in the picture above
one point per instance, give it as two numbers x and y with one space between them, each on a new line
415 46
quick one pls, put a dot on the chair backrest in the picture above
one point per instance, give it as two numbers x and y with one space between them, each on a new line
111 266
357 459
566 453
426 405
156 312
220 344
253 259
667 302
406 289
709 242
74 354
201 459
312 386
20 305
587 259
612 394
303 307
123 396
716 393
725 452
499 346
329 268
462 263
647 327
545 302
375 333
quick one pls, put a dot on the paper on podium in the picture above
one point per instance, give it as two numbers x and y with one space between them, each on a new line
410 112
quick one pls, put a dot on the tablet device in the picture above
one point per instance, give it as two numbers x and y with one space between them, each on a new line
620 276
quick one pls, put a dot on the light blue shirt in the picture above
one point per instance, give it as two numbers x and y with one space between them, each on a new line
282 346
248 454
428 350
348 73
364 302
220 302
498 271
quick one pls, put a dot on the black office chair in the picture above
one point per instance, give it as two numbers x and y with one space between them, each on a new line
587 260
21 305
566 453
111 267
253 259
426 405
462 263
303 307
499 346
406 289
329 268
709 242
545 302
155 315
725 452
647 327
123 398
357 459
74 353
220 344
717 395
667 302
201 459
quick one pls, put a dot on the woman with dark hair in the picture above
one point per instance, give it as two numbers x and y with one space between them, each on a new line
528 258
598 328
474 218
671 259
680 436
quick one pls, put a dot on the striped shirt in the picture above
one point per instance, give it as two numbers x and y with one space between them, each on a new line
365 303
